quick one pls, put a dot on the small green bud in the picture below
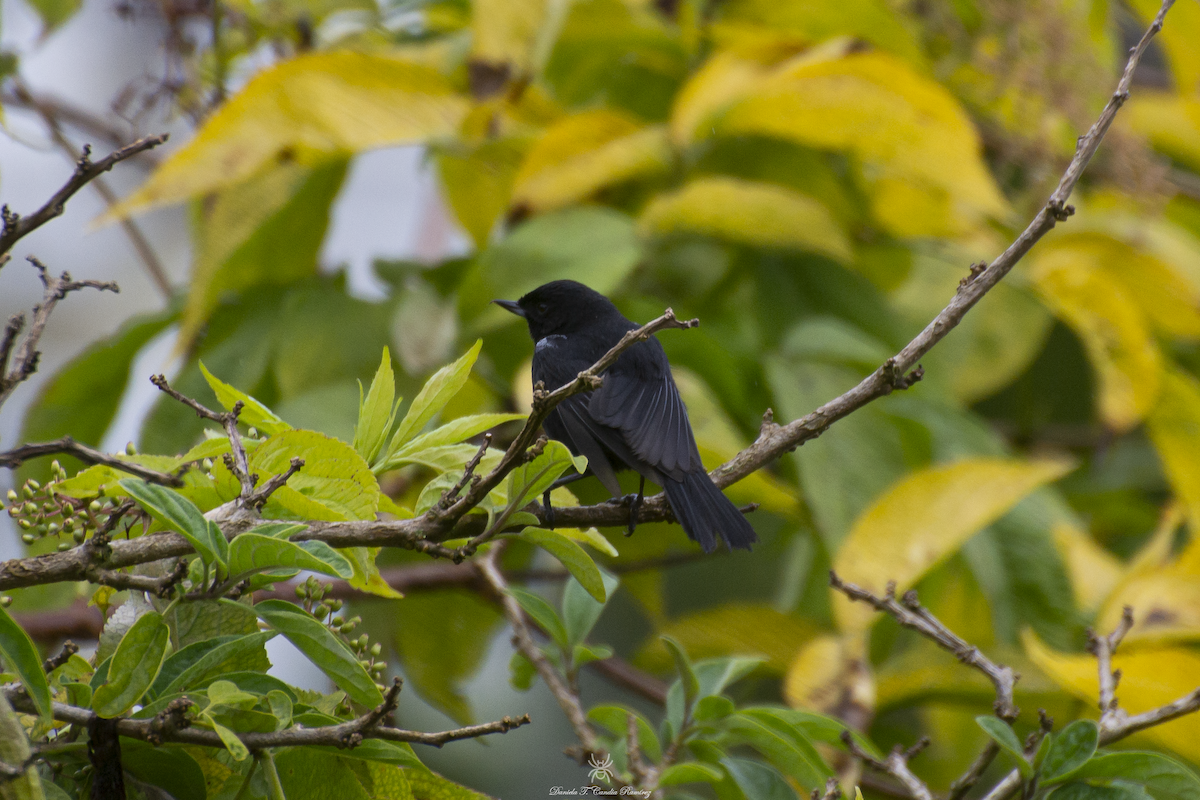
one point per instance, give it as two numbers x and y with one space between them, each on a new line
31 508
27 492
24 523
5 601
336 622
94 506
64 547
13 496
365 664
68 511
300 592
14 511
346 628
363 640
28 538
207 464
321 611
49 508
376 649
79 536
252 433
32 484
52 528
55 466
130 449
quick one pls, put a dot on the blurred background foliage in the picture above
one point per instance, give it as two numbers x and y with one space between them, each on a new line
811 180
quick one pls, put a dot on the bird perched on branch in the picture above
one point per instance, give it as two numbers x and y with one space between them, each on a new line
635 420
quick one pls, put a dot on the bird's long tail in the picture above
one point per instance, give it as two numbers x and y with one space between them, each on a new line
704 512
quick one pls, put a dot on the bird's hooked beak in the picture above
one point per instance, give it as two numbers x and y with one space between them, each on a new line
511 305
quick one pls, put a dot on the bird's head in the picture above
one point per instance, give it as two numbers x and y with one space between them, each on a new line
560 307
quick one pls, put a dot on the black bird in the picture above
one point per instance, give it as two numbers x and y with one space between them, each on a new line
635 420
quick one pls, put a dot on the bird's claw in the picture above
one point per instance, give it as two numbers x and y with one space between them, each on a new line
635 505
549 509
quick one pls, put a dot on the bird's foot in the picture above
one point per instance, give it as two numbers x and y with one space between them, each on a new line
549 508
635 505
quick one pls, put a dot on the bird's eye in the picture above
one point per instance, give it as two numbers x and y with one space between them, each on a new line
543 308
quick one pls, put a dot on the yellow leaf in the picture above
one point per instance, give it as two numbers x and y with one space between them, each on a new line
924 518
1165 603
905 129
744 629
1171 304
1111 326
584 153
718 441
869 20
831 674
1094 571
1171 122
1178 39
308 109
1151 676
724 78
758 214
505 31
1174 428
478 182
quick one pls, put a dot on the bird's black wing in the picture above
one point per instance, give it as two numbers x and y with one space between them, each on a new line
639 398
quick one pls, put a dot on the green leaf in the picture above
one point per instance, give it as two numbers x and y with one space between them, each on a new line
170 768
432 398
442 637
20 656
591 244
687 675
758 780
1086 791
327 651
232 743
334 484
784 744
180 514
527 482
14 749
522 672
253 412
1069 750
266 230
251 553
689 772
309 774
376 413
581 610
239 654
55 12
572 556
134 666
1162 775
1002 734
453 432
543 614
616 719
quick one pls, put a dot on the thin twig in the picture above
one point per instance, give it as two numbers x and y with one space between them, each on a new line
88 455
568 700
896 765
15 226
237 461
259 497
340 735
963 784
134 233
26 355
1103 648
911 614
